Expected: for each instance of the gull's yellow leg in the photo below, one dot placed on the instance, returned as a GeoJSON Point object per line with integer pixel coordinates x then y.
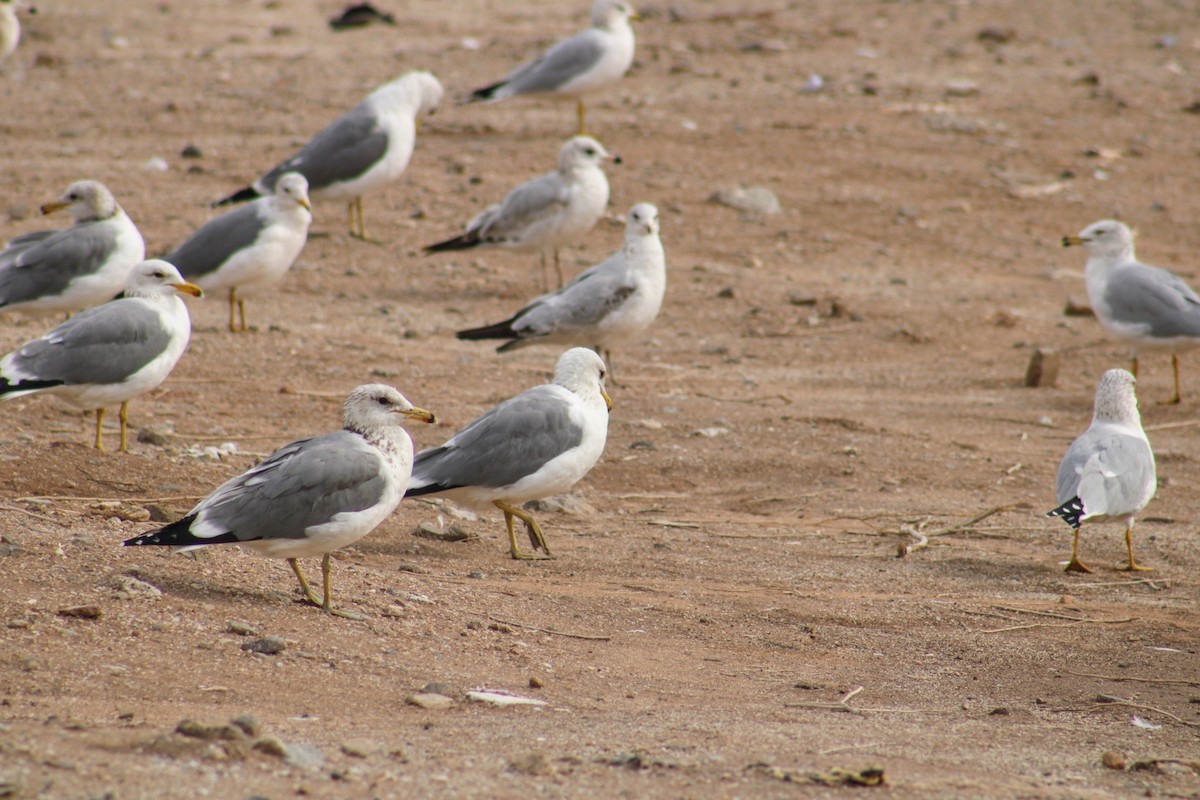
{"type": "Point", "coordinates": [558, 268]}
{"type": "Point", "coordinates": [309, 594]}
{"type": "Point", "coordinates": [1175, 398]}
{"type": "Point", "coordinates": [1133, 364]}
{"type": "Point", "coordinates": [1074, 565]}
{"type": "Point", "coordinates": [1133, 565]}
{"type": "Point", "coordinates": [124, 415]}
{"type": "Point", "coordinates": [534, 530]}
{"type": "Point", "coordinates": [326, 569]}
{"type": "Point", "coordinates": [233, 309]}
{"type": "Point", "coordinates": [358, 225]}
{"type": "Point", "coordinates": [582, 113]}
{"type": "Point", "coordinates": [242, 314]}
{"type": "Point", "coordinates": [99, 426]}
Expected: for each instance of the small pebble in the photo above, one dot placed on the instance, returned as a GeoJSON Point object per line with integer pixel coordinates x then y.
{"type": "Point", "coordinates": [248, 724]}
{"type": "Point", "coordinates": [268, 645]}
{"type": "Point", "coordinates": [241, 628]}
{"type": "Point", "coordinates": [430, 702]}
{"type": "Point", "coordinates": [272, 746]}
{"type": "Point", "coordinates": [1113, 760]}
{"type": "Point", "coordinates": [81, 612]}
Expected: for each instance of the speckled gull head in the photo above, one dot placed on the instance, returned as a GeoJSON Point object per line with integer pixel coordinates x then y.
{"type": "Point", "coordinates": [1107, 239]}
{"type": "Point", "coordinates": [85, 201]}
{"type": "Point", "coordinates": [418, 90]}
{"type": "Point", "coordinates": [1116, 399]}
{"type": "Point", "coordinates": [373, 407]}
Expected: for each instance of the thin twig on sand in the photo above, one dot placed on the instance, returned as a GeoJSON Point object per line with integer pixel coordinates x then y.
{"type": "Point", "coordinates": [1132, 678]}
{"type": "Point", "coordinates": [843, 705]}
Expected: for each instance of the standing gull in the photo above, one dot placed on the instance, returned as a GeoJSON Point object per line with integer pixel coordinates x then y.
{"type": "Point", "coordinates": [537, 444]}
{"type": "Point", "coordinates": [248, 249]}
{"type": "Point", "coordinates": [110, 353]}
{"type": "Point", "coordinates": [546, 213]}
{"type": "Point", "coordinates": [573, 67]}
{"type": "Point", "coordinates": [1146, 306]}
{"type": "Point", "coordinates": [363, 150]}
{"type": "Point", "coordinates": [73, 268]}
{"type": "Point", "coordinates": [1108, 472]}
{"type": "Point", "coordinates": [313, 496]}
{"type": "Point", "coordinates": [610, 304]}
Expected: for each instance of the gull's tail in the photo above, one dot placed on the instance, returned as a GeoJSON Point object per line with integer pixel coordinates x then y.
{"type": "Point", "coordinates": [179, 534]}
{"type": "Point", "coordinates": [11, 390]}
{"type": "Point", "coordinates": [240, 196]}
{"type": "Point", "coordinates": [485, 94]}
{"type": "Point", "coordinates": [501, 330]}
{"type": "Point", "coordinates": [1070, 511]}
{"type": "Point", "coordinates": [464, 241]}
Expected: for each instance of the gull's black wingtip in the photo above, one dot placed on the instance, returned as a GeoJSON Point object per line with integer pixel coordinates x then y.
{"type": "Point", "coordinates": [240, 196]}
{"type": "Point", "coordinates": [1070, 512]}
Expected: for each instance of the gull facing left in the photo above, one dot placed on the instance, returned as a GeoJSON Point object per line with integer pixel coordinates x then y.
{"type": "Point", "coordinates": [110, 353]}
{"type": "Point", "coordinates": [312, 496]}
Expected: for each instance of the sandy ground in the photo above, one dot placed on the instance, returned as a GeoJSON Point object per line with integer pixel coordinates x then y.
{"type": "Point", "coordinates": [727, 615]}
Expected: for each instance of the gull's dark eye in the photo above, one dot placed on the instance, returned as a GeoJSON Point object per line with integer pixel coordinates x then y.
{"type": "Point", "coordinates": [383, 401]}
{"type": "Point", "coordinates": [591, 151]}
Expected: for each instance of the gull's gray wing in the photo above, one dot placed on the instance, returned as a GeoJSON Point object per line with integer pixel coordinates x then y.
{"type": "Point", "coordinates": [301, 485]}
{"type": "Point", "coordinates": [1110, 472]}
{"type": "Point", "coordinates": [45, 263]}
{"type": "Point", "coordinates": [345, 149]}
{"type": "Point", "coordinates": [559, 65]}
{"type": "Point", "coordinates": [523, 207]}
{"type": "Point", "coordinates": [582, 303]}
{"type": "Point", "coordinates": [1156, 298]}
{"type": "Point", "coordinates": [105, 344]}
{"type": "Point", "coordinates": [216, 241]}
{"type": "Point", "coordinates": [512, 440]}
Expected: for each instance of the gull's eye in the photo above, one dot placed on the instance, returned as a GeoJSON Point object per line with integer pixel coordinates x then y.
{"type": "Point", "coordinates": [383, 401]}
{"type": "Point", "coordinates": [591, 151]}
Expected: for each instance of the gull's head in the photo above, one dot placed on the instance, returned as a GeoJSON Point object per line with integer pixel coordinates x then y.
{"type": "Point", "coordinates": [583, 372]}
{"type": "Point", "coordinates": [377, 405]}
{"type": "Point", "coordinates": [642, 221]}
{"type": "Point", "coordinates": [607, 12]}
{"type": "Point", "coordinates": [1107, 239]}
{"type": "Point", "coordinates": [1116, 400]}
{"type": "Point", "coordinates": [85, 201]}
{"type": "Point", "coordinates": [581, 151]}
{"type": "Point", "coordinates": [418, 90]}
{"type": "Point", "coordinates": [158, 278]}
{"type": "Point", "coordinates": [292, 187]}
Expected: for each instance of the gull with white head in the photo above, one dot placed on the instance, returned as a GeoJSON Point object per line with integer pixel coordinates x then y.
{"type": "Point", "coordinates": [1146, 306]}
{"type": "Point", "coordinates": [110, 353]}
{"type": "Point", "coordinates": [537, 444]}
{"type": "Point", "coordinates": [1108, 471]}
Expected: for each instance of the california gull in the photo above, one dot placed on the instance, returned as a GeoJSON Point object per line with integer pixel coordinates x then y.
{"type": "Point", "coordinates": [110, 353]}
{"type": "Point", "coordinates": [546, 213]}
{"type": "Point", "coordinates": [363, 150]}
{"type": "Point", "coordinates": [73, 268]}
{"type": "Point", "coordinates": [537, 444]}
{"type": "Point", "coordinates": [312, 496]}
{"type": "Point", "coordinates": [1108, 472]}
{"type": "Point", "coordinates": [250, 248]}
{"type": "Point", "coordinates": [590, 60]}
{"type": "Point", "coordinates": [1146, 306]}
{"type": "Point", "coordinates": [606, 306]}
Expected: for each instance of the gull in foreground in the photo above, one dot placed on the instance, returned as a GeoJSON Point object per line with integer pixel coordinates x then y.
{"type": "Point", "coordinates": [110, 353]}
{"type": "Point", "coordinates": [608, 305]}
{"type": "Point", "coordinates": [1108, 472]}
{"type": "Point", "coordinates": [537, 444]}
{"type": "Point", "coordinates": [1146, 306]}
{"type": "Point", "coordinates": [546, 213]}
{"type": "Point", "coordinates": [10, 29]}
{"type": "Point", "coordinates": [313, 496]}
{"type": "Point", "coordinates": [250, 248]}
{"type": "Point", "coordinates": [363, 150]}
{"type": "Point", "coordinates": [593, 59]}
{"type": "Point", "coordinates": [73, 268]}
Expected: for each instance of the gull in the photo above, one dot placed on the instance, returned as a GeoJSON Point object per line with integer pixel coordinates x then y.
{"type": "Point", "coordinates": [1146, 306]}
{"type": "Point", "coordinates": [110, 353]}
{"type": "Point", "coordinates": [312, 496]}
{"type": "Point", "coordinates": [250, 248]}
{"type": "Point", "coordinates": [608, 305]}
{"type": "Point", "coordinates": [546, 213]}
{"type": "Point", "coordinates": [1108, 472]}
{"type": "Point", "coordinates": [73, 268]}
{"type": "Point", "coordinates": [537, 444]}
{"type": "Point", "coordinates": [363, 150]}
{"type": "Point", "coordinates": [573, 67]}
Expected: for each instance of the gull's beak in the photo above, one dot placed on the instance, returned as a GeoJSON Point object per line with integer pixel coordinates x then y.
{"type": "Point", "coordinates": [57, 205]}
{"type": "Point", "coordinates": [417, 414]}
{"type": "Point", "coordinates": [187, 288]}
{"type": "Point", "coordinates": [607, 399]}
{"type": "Point", "coordinates": [1070, 240]}
{"type": "Point", "coordinates": [304, 201]}
{"type": "Point", "coordinates": [635, 17]}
